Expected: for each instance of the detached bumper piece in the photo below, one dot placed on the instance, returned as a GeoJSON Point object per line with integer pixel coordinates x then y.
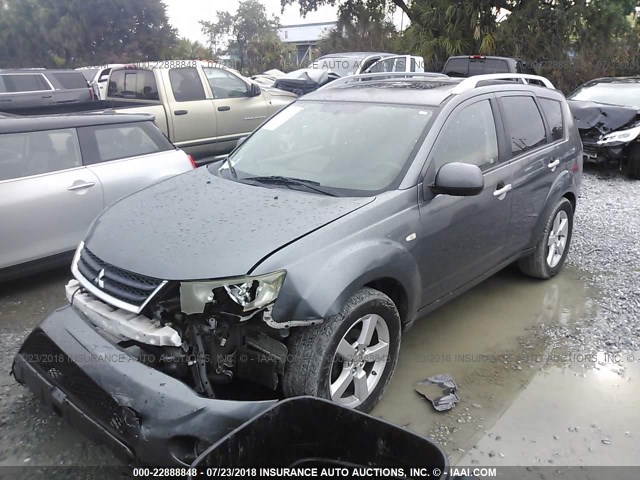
{"type": "Point", "coordinates": [64, 387]}
{"type": "Point", "coordinates": [145, 416]}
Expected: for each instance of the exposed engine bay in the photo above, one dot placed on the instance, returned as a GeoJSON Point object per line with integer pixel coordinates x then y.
{"type": "Point", "coordinates": [607, 131]}
{"type": "Point", "coordinates": [206, 334]}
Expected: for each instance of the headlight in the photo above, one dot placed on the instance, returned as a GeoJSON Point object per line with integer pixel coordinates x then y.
{"type": "Point", "coordinates": [250, 293]}
{"type": "Point", "coordinates": [624, 136]}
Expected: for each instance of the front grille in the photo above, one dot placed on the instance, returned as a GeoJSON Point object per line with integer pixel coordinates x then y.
{"type": "Point", "coordinates": [122, 284]}
{"type": "Point", "coordinates": [39, 350]}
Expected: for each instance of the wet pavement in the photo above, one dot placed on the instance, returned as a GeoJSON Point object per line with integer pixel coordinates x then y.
{"type": "Point", "coordinates": [547, 375]}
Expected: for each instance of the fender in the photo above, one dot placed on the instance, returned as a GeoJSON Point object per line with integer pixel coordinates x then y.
{"type": "Point", "coordinates": [337, 278]}
{"type": "Point", "coordinates": [563, 184]}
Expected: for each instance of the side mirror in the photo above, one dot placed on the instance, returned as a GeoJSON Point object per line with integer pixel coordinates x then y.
{"type": "Point", "coordinates": [459, 180]}
{"type": "Point", "coordinates": [254, 90]}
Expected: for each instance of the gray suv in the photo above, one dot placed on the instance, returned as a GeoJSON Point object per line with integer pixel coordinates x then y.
{"type": "Point", "coordinates": [295, 266]}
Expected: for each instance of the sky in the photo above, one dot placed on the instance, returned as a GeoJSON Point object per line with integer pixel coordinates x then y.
{"type": "Point", "coordinates": [185, 14]}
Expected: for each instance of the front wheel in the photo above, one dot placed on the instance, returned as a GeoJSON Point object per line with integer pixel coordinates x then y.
{"type": "Point", "coordinates": [349, 358]}
{"type": "Point", "coordinates": [550, 253]}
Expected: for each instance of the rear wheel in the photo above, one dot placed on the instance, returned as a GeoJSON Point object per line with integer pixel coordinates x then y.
{"type": "Point", "coordinates": [550, 253]}
{"type": "Point", "coordinates": [350, 357]}
{"type": "Point", "coordinates": [633, 162]}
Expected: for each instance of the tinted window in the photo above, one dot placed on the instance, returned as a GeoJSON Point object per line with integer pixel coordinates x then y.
{"type": "Point", "coordinates": [140, 84]}
{"type": "Point", "coordinates": [114, 142]}
{"type": "Point", "coordinates": [71, 80]}
{"type": "Point", "coordinates": [469, 136]}
{"type": "Point", "coordinates": [34, 153]}
{"type": "Point", "coordinates": [225, 84]}
{"type": "Point", "coordinates": [553, 112]}
{"type": "Point", "coordinates": [24, 83]}
{"type": "Point", "coordinates": [457, 67]}
{"type": "Point", "coordinates": [524, 122]}
{"type": "Point", "coordinates": [487, 65]}
{"type": "Point", "coordinates": [186, 84]}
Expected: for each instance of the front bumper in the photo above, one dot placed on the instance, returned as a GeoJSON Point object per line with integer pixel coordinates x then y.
{"type": "Point", "coordinates": [145, 416]}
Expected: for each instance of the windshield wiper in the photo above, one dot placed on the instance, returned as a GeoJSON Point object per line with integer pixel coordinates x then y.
{"type": "Point", "coordinates": [230, 167]}
{"type": "Point", "coordinates": [289, 181]}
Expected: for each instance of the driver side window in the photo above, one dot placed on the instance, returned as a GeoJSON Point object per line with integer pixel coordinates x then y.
{"type": "Point", "coordinates": [469, 136]}
{"type": "Point", "coordinates": [225, 84]}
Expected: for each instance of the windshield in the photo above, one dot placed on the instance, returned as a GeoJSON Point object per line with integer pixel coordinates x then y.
{"type": "Point", "coordinates": [618, 93]}
{"type": "Point", "coordinates": [346, 148]}
{"type": "Point", "coordinates": [89, 73]}
{"type": "Point", "coordinates": [343, 66]}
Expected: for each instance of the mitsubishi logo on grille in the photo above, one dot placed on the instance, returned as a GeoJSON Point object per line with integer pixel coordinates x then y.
{"type": "Point", "coordinates": [99, 280]}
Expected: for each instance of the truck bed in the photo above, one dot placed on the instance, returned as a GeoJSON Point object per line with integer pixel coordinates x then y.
{"type": "Point", "coordinates": [96, 105]}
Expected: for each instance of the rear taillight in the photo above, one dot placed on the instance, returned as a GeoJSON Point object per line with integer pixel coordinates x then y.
{"type": "Point", "coordinates": [193, 162]}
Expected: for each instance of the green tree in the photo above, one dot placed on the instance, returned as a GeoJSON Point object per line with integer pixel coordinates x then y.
{"type": "Point", "coordinates": [186, 49]}
{"type": "Point", "coordinates": [249, 35]}
{"type": "Point", "coordinates": [361, 29]}
{"type": "Point", "coordinates": [352, 7]}
{"type": "Point", "coordinates": [68, 33]}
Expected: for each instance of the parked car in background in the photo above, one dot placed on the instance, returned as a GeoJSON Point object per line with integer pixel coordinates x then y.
{"type": "Point", "coordinates": [58, 173]}
{"type": "Point", "coordinates": [98, 78]}
{"type": "Point", "coordinates": [202, 107]}
{"type": "Point", "coordinates": [348, 63]}
{"type": "Point", "coordinates": [397, 63]}
{"type": "Point", "coordinates": [468, 65]}
{"type": "Point", "coordinates": [295, 265]}
{"type": "Point", "coordinates": [606, 112]}
{"type": "Point", "coordinates": [26, 90]}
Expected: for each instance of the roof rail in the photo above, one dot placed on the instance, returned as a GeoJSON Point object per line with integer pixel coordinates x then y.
{"type": "Point", "coordinates": [472, 82]}
{"type": "Point", "coordinates": [363, 77]}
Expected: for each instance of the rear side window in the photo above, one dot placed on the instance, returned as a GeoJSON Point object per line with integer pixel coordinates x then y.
{"type": "Point", "coordinates": [553, 113]}
{"type": "Point", "coordinates": [103, 143]}
{"type": "Point", "coordinates": [186, 84]}
{"type": "Point", "coordinates": [14, 83]}
{"type": "Point", "coordinates": [525, 124]}
{"type": "Point", "coordinates": [35, 153]}
{"type": "Point", "coordinates": [129, 83]}
{"type": "Point", "coordinates": [469, 136]}
{"type": "Point", "coordinates": [71, 80]}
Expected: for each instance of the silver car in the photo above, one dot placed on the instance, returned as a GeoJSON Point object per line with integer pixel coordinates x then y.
{"type": "Point", "coordinates": [57, 173]}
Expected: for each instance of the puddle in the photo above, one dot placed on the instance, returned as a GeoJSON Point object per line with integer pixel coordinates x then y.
{"type": "Point", "coordinates": [568, 418]}
{"type": "Point", "coordinates": [491, 341]}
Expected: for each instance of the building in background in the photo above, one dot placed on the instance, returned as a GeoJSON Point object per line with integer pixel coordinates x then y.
{"type": "Point", "coordinates": [304, 37]}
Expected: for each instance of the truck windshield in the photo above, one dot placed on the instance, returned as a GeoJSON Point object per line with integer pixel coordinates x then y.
{"type": "Point", "coordinates": [346, 148]}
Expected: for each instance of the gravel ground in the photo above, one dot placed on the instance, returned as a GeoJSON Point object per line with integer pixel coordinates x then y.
{"type": "Point", "coordinates": [606, 246]}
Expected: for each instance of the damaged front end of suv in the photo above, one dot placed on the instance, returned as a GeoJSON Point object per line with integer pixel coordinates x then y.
{"type": "Point", "coordinates": [204, 333]}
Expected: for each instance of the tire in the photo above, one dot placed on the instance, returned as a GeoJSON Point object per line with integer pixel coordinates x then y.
{"type": "Point", "coordinates": [541, 264]}
{"type": "Point", "coordinates": [314, 363]}
{"type": "Point", "coordinates": [633, 162]}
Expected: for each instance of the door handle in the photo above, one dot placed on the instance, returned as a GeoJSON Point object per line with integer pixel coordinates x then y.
{"type": "Point", "coordinates": [554, 164]}
{"type": "Point", "coordinates": [224, 108]}
{"type": "Point", "coordinates": [503, 191]}
{"type": "Point", "coordinates": [47, 96]}
{"type": "Point", "coordinates": [181, 112]}
{"type": "Point", "coordinates": [80, 186]}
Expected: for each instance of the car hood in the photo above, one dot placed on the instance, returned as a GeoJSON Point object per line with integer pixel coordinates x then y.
{"type": "Point", "coordinates": [200, 226]}
{"type": "Point", "coordinates": [606, 118]}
